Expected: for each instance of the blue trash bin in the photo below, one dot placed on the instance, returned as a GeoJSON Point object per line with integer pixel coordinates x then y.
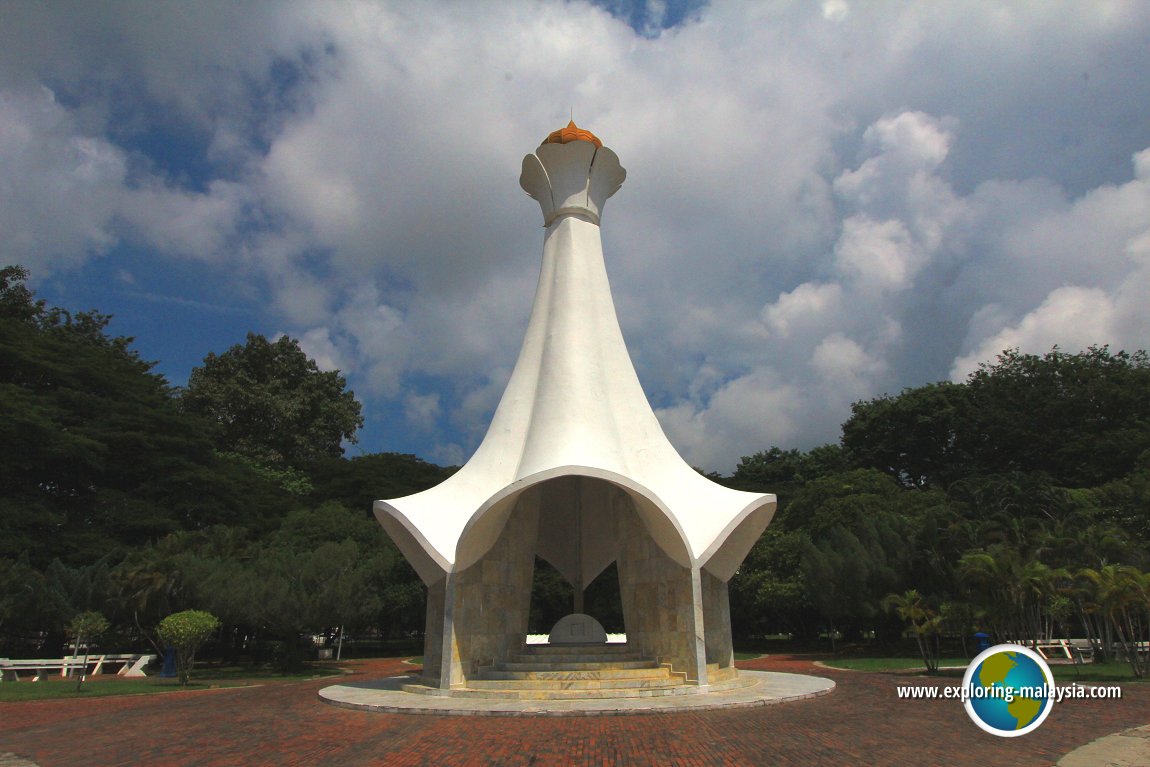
{"type": "Point", "coordinates": [982, 641]}
{"type": "Point", "coordinates": [169, 669]}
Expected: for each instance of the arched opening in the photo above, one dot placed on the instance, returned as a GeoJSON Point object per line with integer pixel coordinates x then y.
{"type": "Point", "coordinates": [603, 602]}
{"type": "Point", "coordinates": [575, 543]}
{"type": "Point", "coordinates": [551, 598]}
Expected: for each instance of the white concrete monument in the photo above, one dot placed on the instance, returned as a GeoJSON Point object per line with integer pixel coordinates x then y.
{"type": "Point", "coordinates": [575, 469]}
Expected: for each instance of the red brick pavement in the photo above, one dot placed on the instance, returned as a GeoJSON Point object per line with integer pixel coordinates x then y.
{"type": "Point", "coordinates": [860, 723]}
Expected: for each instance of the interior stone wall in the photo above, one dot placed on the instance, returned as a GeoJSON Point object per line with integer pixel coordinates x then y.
{"type": "Point", "coordinates": [717, 621]}
{"type": "Point", "coordinates": [492, 598]}
{"type": "Point", "coordinates": [659, 601]}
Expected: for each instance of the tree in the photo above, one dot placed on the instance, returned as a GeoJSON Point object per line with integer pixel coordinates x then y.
{"type": "Point", "coordinates": [185, 632]}
{"type": "Point", "coordinates": [359, 481]}
{"type": "Point", "coordinates": [925, 623]}
{"type": "Point", "coordinates": [1082, 418]}
{"type": "Point", "coordinates": [768, 593]}
{"type": "Point", "coordinates": [1122, 595]}
{"type": "Point", "coordinates": [849, 567]}
{"type": "Point", "coordinates": [1022, 596]}
{"type": "Point", "coordinates": [845, 498]}
{"type": "Point", "coordinates": [21, 594]}
{"type": "Point", "coordinates": [916, 437]}
{"type": "Point", "coordinates": [775, 469]}
{"type": "Point", "coordinates": [97, 455]}
{"type": "Point", "coordinates": [272, 404]}
{"type": "Point", "coordinates": [84, 628]}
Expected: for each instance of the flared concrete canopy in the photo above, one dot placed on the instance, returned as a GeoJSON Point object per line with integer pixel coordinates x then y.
{"type": "Point", "coordinates": [574, 407]}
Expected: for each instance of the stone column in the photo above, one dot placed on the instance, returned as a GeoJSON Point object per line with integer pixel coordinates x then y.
{"type": "Point", "coordinates": [717, 617]}
{"type": "Point", "coordinates": [492, 597]}
{"type": "Point", "coordinates": [450, 673]}
{"type": "Point", "coordinates": [662, 600]}
{"type": "Point", "coordinates": [433, 633]}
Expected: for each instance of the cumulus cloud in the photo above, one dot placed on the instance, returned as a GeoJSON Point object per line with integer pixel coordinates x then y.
{"type": "Point", "coordinates": [61, 186]}
{"type": "Point", "coordinates": [835, 10]}
{"type": "Point", "coordinates": [760, 407]}
{"type": "Point", "coordinates": [808, 304]}
{"type": "Point", "coordinates": [824, 201]}
{"type": "Point", "coordinates": [318, 345]}
{"type": "Point", "coordinates": [1092, 255]}
{"type": "Point", "coordinates": [422, 410]}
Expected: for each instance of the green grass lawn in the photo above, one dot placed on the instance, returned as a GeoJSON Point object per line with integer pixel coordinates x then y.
{"type": "Point", "coordinates": [888, 664]}
{"type": "Point", "coordinates": [11, 692]}
{"type": "Point", "coordinates": [1089, 672]}
{"type": "Point", "coordinates": [205, 678]}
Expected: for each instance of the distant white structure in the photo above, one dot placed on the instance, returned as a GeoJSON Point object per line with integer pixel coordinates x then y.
{"type": "Point", "coordinates": [575, 469]}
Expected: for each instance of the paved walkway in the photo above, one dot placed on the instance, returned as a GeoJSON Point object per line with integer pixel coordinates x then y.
{"type": "Point", "coordinates": [861, 722]}
{"type": "Point", "coordinates": [1124, 749]}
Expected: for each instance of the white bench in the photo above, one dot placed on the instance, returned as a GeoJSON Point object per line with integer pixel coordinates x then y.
{"type": "Point", "coordinates": [1062, 651]}
{"type": "Point", "coordinates": [131, 664]}
{"type": "Point", "coordinates": [1118, 650]}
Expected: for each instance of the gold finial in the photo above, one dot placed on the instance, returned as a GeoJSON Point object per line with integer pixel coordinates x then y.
{"type": "Point", "coordinates": [572, 133]}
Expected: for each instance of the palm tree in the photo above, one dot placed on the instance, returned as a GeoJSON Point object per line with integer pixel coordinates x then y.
{"type": "Point", "coordinates": [993, 583]}
{"type": "Point", "coordinates": [1121, 594]}
{"type": "Point", "coordinates": [924, 622]}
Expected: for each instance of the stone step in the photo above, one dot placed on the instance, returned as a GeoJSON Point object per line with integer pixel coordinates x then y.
{"type": "Point", "coordinates": [598, 648]}
{"type": "Point", "coordinates": [715, 675]}
{"type": "Point", "coordinates": [641, 683]}
{"type": "Point", "coordinates": [552, 684]}
{"type": "Point", "coordinates": [572, 665]}
{"type": "Point", "coordinates": [630, 657]}
{"type": "Point", "coordinates": [648, 671]}
{"type": "Point", "coordinates": [517, 694]}
{"type": "Point", "coordinates": [581, 672]}
{"type": "Point", "coordinates": [588, 653]}
{"type": "Point", "coordinates": [507, 693]}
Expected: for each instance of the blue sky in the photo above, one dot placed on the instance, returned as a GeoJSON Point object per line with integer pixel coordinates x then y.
{"type": "Point", "coordinates": [825, 201]}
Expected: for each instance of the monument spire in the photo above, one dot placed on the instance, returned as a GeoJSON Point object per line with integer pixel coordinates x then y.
{"type": "Point", "coordinates": [574, 451]}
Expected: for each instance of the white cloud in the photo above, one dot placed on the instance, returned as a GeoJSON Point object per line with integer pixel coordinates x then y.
{"type": "Point", "coordinates": [1091, 256]}
{"type": "Point", "coordinates": [824, 201]}
{"type": "Point", "coordinates": [757, 408]}
{"type": "Point", "coordinates": [60, 186]}
{"type": "Point", "coordinates": [1072, 317]}
{"type": "Point", "coordinates": [878, 255]}
{"type": "Point", "coordinates": [835, 10]}
{"type": "Point", "coordinates": [319, 346]}
{"type": "Point", "coordinates": [809, 303]}
{"type": "Point", "coordinates": [200, 225]}
{"type": "Point", "coordinates": [846, 368]}
{"type": "Point", "coordinates": [421, 410]}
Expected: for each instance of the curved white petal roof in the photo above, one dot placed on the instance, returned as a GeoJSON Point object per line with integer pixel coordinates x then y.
{"type": "Point", "coordinates": [574, 407]}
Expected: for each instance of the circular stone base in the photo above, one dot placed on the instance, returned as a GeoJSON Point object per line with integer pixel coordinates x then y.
{"type": "Point", "coordinates": [387, 696]}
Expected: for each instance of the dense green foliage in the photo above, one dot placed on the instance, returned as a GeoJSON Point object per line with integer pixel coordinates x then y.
{"type": "Point", "coordinates": [185, 632]}
{"type": "Point", "coordinates": [1081, 418]}
{"type": "Point", "coordinates": [95, 452]}
{"type": "Point", "coordinates": [270, 403]}
{"type": "Point", "coordinates": [1016, 502]}
{"type": "Point", "coordinates": [118, 495]}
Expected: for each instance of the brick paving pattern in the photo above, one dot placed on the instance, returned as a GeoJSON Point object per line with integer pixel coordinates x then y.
{"type": "Point", "coordinates": [860, 723]}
